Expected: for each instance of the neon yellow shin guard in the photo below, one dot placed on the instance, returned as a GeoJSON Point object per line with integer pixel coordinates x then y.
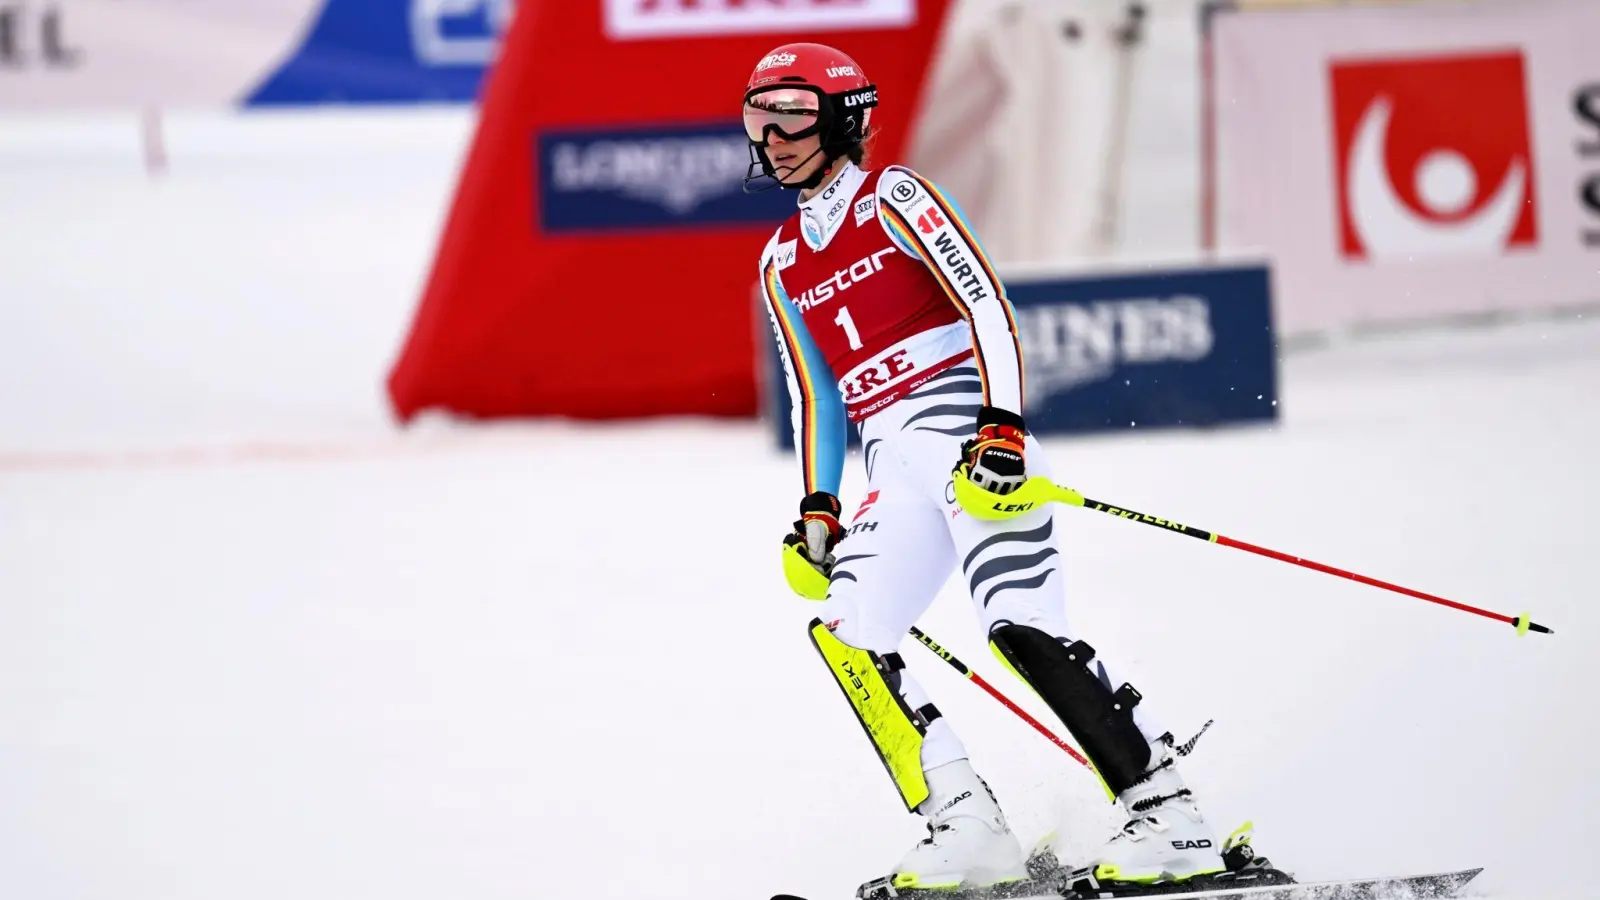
{"type": "Point", "coordinates": [895, 731]}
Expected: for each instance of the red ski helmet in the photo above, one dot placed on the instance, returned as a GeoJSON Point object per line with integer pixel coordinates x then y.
{"type": "Point", "coordinates": [799, 90]}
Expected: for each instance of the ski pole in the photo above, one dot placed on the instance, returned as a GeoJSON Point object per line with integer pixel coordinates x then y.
{"type": "Point", "coordinates": [994, 692]}
{"type": "Point", "coordinates": [986, 505]}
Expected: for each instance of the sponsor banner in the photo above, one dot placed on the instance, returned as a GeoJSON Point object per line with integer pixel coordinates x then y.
{"type": "Point", "coordinates": [391, 51]}
{"type": "Point", "coordinates": [627, 179]}
{"type": "Point", "coordinates": [634, 19]}
{"type": "Point", "coordinates": [113, 54]}
{"type": "Point", "coordinates": [1412, 162]}
{"type": "Point", "coordinates": [594, 267]}
{"type": "Point", "coordinates": [1184, 347]}
{"type": "Point", "coordinates": [1152, 349]}
{"type": "Point", "coordinates": [118, 55]}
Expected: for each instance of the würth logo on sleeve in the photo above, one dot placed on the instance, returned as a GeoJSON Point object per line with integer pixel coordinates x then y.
{"type": "Point", "coordinates": [866, 506]}
{"type": "Point", "coordinates": [856, 525]}
{"type": "Point", "coordinates": [1433, 155]}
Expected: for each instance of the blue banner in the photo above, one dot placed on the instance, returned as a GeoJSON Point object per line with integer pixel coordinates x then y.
{"type": "Point", "coordinates": [387, 51]}
{"type": "Point", "coordinates": [651, 178]}
{"type": "Point", "coordinates": [1159, 349]}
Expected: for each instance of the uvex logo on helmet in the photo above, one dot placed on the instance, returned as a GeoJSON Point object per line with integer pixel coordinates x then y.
{"type": "Point", "coordinates": [818, 65]}
{"type": "Point", "coordinates": [1433, 155]}
{"type": "Point", "coordinates": [861, 98]}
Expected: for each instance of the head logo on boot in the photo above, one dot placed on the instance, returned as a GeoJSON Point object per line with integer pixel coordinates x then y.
{"type": "Point", "coordinates": [964, 795]}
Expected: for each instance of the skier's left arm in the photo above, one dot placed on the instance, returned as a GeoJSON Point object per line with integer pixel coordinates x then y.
{"type": "Point", "coordinates": [923, 221]}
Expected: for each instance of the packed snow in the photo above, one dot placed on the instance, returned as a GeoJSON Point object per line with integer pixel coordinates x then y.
{"type": "Point", "coordinates": [257, 644]}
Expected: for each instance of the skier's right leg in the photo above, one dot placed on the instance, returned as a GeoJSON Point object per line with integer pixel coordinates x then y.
{"type": "Point", "coordinates": [1016, 578]}
{"type": "Point", "coordinates": [1014, 572]}
{"type": "Point", "coordinates": [894, 558]}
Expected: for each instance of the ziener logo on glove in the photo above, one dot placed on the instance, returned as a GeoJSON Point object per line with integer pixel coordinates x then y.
{"type": "Point", "coordinates": [1433, 155]}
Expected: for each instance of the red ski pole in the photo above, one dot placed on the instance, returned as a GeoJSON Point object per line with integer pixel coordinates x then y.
{"type": "Point", "coordinates": [1037, 490]}
{"type": "Point", "coordinates": [1522, 622]}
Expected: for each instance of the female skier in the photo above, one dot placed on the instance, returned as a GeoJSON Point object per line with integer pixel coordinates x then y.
{"type": "Point", "coordinates": [888, 313]}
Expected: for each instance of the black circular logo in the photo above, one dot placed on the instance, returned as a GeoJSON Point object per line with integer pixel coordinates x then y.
{"type": "Point", "coordinates": [904, 191]}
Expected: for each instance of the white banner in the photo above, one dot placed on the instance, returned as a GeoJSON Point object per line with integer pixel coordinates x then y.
{"type": "Point", "coordinates": [1409, 162]}
{"type": "Point", "coordinates": [119, 54]}
{"type": "Point", "coordinates": [112, 53]}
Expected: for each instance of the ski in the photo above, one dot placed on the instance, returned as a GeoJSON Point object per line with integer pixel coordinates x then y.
{"type": "Point", "coordinates": [1027, 889]}
{"type": "Point", "coordinates": [1244, 887]}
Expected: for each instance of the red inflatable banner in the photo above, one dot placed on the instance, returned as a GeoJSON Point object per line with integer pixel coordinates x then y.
{"type": "Point", "coordinates": [599, 258]}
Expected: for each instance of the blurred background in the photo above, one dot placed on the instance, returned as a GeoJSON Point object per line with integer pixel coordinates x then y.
{"type": "Point", "coordinates": [389, 448]}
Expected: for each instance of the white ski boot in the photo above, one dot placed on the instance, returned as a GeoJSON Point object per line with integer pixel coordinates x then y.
{"type": "Point", "coordinates": [1166, 838]}
{"type": "Point", "coordinates": [968, 843]}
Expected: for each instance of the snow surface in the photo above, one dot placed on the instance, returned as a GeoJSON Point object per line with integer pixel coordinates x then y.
{"type": "Point", "coordinates": [256, 645]}
{"type": "Point", "coordinates": [453, 664]}
{"type": "Point", "coordinates": [258, 289]}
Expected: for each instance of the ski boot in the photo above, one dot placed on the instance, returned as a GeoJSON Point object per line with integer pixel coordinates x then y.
{"type": "Point", "coordinates": [968, 847]}
{"type": "Point", "coordinates": [1242, 869]}
{"type": "Point", "coordinates": [1165, 843]}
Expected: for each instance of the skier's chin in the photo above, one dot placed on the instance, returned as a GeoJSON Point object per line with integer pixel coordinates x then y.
{"type": "Point", "coordinates": [789, 175]}
{"type": "Point", "coordinates": [792, 169]}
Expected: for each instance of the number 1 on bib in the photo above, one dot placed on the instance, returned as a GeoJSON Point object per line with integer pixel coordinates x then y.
{"type": "Point", "coordinates": [844, 321]}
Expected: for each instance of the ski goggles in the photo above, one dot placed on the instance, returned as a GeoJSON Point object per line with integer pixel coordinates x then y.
{"type": "Point", "coordinates": [794, 113]}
